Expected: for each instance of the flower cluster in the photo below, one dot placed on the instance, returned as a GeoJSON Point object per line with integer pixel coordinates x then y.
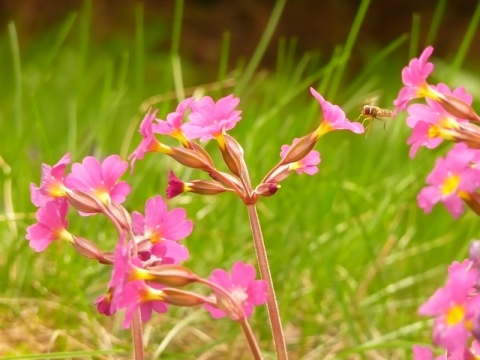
{"type": "Point", "coordinates": [446, 115]}
{"type": "Point", "coordinates": [205, 119]}
{"type": "Point", "coordinates": [455, 180]}
{"type": "Point", "coordinates": [147, 270]}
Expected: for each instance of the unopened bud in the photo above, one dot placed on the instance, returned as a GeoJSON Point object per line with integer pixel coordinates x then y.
{"type": "Point", "coordinates": [89, 250]}
{"type": "Point", "coordinates": [267, 189]}
{"type": "Point", "coordinates": [472, 200]}
{"type": "Point", "coordinates": [171, 275]}
{"type": "Point", "coordinates": [457, 107]}
{"type": "Point", "coordinates": [84, 202]}
{"type": "Point", "coordinates": [182, 298]}
{"type": "Point", "coordinates": [232, 154]}
{"type": "Point", "coordinates": [120, 215]}
{"type": "Point", "coordinates": [300, 149]}
{"type": "Point", "coordinates": [190, 158]}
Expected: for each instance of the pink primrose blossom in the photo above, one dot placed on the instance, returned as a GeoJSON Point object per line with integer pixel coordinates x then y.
{"type": "Point", "coordinates": [100, 180]}
{"type": "Point", "coordinates": [210, 119]}
{"type": "Point", "coordinates": [51, 184]}
{"type": "Point", "coordinates": [242, 286]}
{"type": "Point", "coordinates": [453, 306]}
{"type": "Point", "coordinates": [333, 118]}
{"type": "Point", "coordinates": [172, 126]}
{"type": "Point", "coordinates": [414, 77]}
{"type": "Point", "coordinates": [149, 143]}
{"type": "Point", "coordinates": [159, 224]}
{"type": "Point", "coordinates": [452, 178]}
{"type": "Point", "coordinates": [307, 165]}
{"type": "Point", "coordinates": [422, 353]}
{"type": "Point", "coordinates": [421, 136]}
{"type": "Point", "coordinates": [104, 304]}
{"type": "Point", "coordinates": [51, 225]}
{"type": "Point", "coordinates": [175, 186]}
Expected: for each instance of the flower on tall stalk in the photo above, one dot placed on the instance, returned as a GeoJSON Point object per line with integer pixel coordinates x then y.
{"type": "Point", "coordinates": [51, 225]}
{"type": "Point", "coordinates": [242, 286]}
{"type": "Point", "coordinates": [210, 119]}
{"type": "Point", "coordinates": [51, 184]}
{"type": "Point", "coordinates": [452, 180]}
{"type": "Point", "coordinates": [100, 179]}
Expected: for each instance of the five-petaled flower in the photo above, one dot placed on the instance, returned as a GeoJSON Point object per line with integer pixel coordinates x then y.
{"type": "Point", "coordinates": [209, 119]}
{"type": "Point", "coordinates": [172, 126]}
{"type": "Point", "coordinates": [100, 180]}
{"type": "Point", "coordinates": [242, 287]}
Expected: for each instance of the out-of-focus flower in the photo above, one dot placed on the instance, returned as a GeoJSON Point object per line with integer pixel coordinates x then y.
{"type": "Point", "coordinates": [51, 225]}
{"type": "Point", "coordinates": [242, 287]}
{"type": "Point", "coordinates": [451, 180]}
{"type": "Point", "coordinates": [453, 306]}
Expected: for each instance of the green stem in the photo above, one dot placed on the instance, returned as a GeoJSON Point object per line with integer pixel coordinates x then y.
{"type": "Point", "coordinates": [272, 306]}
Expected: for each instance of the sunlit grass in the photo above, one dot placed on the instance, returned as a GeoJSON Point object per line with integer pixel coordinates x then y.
{"type": "Point", "coordinates": [351, 254]}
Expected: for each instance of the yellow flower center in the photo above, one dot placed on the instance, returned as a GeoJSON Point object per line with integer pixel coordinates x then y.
{"type": "Point", "coordinates": [451, 184]}
{"type": "Point", "coordinates": [455, 314]}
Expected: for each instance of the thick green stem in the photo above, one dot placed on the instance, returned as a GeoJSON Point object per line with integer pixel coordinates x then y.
{"type": "Point", "coordinates": [272, 306]}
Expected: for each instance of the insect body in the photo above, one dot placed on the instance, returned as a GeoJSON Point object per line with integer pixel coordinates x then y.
{"type": "Point", "coordinates": [371, 112]}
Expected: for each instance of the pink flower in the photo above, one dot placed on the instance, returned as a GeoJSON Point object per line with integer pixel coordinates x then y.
{"type": "Point", "coordinates": [242, 286]}
{"type": "Point", "coordinates": [161, 224]}
{"type": "Point", "coordinates": [149, 143]}
{"type": "Point", "coordinates": [52, 225]}
{"type": "Point", "coordinates": [100, 180]}
{"type": "Point", "coordinates": [452, 178]}
{"type": "Point", "coordinates": [414, 78]}
{"type": "Point", "coordinates": [422, 353]}
{"type": "Point", "coordinates": [307, 165]}
{"type": "Point", "coordinates": [104, 304]}
{"type": "Point", "coordinates": [210, 119]}
{"type": "Point", "coordinates": [172, 126]}
{"type": "Point", "coordinates": [51, 185]}
{"type": "Point", "coordinates": [175, 186]}
{"type": "Point", "coordinates": [453, 306]}
{"type": "Point", "coordinates": [423, 134]}
{"type": "Point", "coordinates": [333, 118]}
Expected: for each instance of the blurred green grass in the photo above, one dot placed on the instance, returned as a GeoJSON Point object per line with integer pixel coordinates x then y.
{"type": "Point", "coordinates": [351, 254]}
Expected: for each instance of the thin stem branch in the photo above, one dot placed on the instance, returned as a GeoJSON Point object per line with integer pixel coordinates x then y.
{"type": "Point", "coordinates": [272, 306]}
{"type": "Point", "coordinates": [137, 336]}
{"type": "Point", "coordinates": [254, 348]}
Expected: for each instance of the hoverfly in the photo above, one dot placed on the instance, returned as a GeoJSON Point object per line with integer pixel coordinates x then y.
{"type": "Point", "coordinates": [372, 112]}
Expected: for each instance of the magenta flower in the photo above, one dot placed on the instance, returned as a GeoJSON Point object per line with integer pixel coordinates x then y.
{"type": "Point", "coordinates": [422, 353]}
{"type": "Point", "coordinates": [453, 306]}
{"type": "Point", "coordinates": [161, 224]}
{"type": "Point", "coordinates": [307, 165]}
{"type": "Point", "coordinates": [172, 126]}
{"type": "Point", "coordinates": [52, 225]}
{"type": "Point", "coordinates": [210, 119]}
{"type": "Point", "coordinates": [104, 304]}
{"type": "Point", "coordinates": [51, 184]}
{"type": "Point", "coordinates": [100, 180]}
{"type": "Point", "coordinates": [149, 143]}
{"type": "Point", "coordinates": [452, 179]}
{"type": "Point", "coordinates": [414, 77]}
{"type": "Point", "coordinates": [242, 286]}
{"type": "Point", "coordinates": [333, 118]}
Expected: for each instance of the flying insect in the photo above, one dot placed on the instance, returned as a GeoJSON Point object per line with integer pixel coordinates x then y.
{"type": "Point", "coordinates": [372, 112]}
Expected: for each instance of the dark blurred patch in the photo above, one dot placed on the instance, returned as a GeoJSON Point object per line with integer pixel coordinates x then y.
{"type": "Point", "coordinates": [315, 24]}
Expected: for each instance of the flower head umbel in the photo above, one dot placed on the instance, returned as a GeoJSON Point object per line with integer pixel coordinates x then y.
{"type": "Point", "coordinates": [414, 77]}
{"type": "Point", "coordinates": [159, 224]}
{"type": "Point", "coordinates": [242, 287]}
{"type": "Point", "coordinates": [454, 306]}
{"type": "Point", "coordinates": [52, 225]}
{"type": "Point", "coordinates": [307, 165]}
{"type": "Point", "coordinates": [333, 118]}
{"type": "Point", "coordinates": [209, 119]}
{"type": "Point", "coordinates": [452, 179]}
{"type": "Point", "coordinates": [100, 179]}
{"type": "Point", "coordinates": [51, 184]}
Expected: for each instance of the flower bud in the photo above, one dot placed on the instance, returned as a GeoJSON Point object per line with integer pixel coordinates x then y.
{"type": "Point", "coordinates": [181, 298]}
{"type": "Point", "coordinates": [84, 202]}
{"type": "Point", "coordinates": [171, 275]}
{"type": "Point", "coordinates": [232, 154]}
{"type": "Point", "coordinates": [457, 107]}
{"type": "Point", "coordinates": [121, 216]}
{"type": "Point", "coordinates": [300, 149]}
{"type": "Point", "coordinates": [190, 158]}
{"type": "Point", "coordinates": [267, 189]}
{"type": "Point", "coordinates": [472, 200]}
{"type": "Point", "coordinates": [89, 250]}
